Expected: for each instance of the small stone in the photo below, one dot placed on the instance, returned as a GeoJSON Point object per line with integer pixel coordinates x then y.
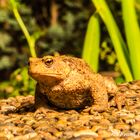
{"type": "Point", "coordinates": [3, 138]}
{"type": "Point", "coordinates": [58, 134]}
{"type": "Point", "coordinates": [7, 109]}
{"type": "Point", "coordinates": [95, 128]}
{"type": "Point", "coordinates": [104, 133]}
{"type": "Point", "coordinates": [25, 137]}
{"type": "Point", "coordinates": [136, 126]}
{"type": "Point", "coordinates": [137, 118]}
{"type": "Point", "coordinates": [122, 126]}
{"type": "Point", "coordinates": [85, 132]}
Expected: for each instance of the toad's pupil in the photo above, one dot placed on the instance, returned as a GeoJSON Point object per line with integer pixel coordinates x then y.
{"type": "Point", "coordinates": [49, 61]}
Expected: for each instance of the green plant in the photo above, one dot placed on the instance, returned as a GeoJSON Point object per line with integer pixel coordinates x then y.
{"type": "Point", "coordinates": [91, 44]}
{"type": "Point", "coordinates": [30, 39]}
{"type": "Point", "coordinates": [132, 32]}
{"type": "Point", "coordinates": [128, 57]}
{"type": "Point", "coordinates": [19, 84]}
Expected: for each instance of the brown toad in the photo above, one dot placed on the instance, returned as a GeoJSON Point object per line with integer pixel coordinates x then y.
{"type": "Point", "coordinates": [69, 83]}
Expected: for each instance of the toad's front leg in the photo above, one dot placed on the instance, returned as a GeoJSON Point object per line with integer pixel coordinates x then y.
{"type": "Point", "coordinates": [100, 97]}
{"type": "Point", "coordinates": [42, 104]}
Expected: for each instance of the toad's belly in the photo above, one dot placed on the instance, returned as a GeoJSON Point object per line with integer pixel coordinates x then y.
{"type": "Point", "coordinates": [70, 100]}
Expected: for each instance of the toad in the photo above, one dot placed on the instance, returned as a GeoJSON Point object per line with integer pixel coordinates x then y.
{"type": "Point", "coordinates": [69, 83]}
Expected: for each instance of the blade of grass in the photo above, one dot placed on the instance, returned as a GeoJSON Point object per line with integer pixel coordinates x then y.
{"type": "Point", "coordinates": [117, 40]}
{"type": "Point", "coordinates": [30, 40]}
{"type": "Point", "coordinates": [132, 35]}
{"type": "Point", "coordinates": [91, 43]}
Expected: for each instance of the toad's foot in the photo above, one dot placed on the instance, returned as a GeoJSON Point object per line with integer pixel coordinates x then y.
{"type": "Point", "coordinates": [95, 108]}
{"type": "Point", "coordinates": [120, 100]}
{"type": "Point", "coordinates": [44, 111]}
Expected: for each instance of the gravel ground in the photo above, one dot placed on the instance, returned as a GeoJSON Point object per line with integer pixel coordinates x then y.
{"type": "Point", "coordinates": [20, 121]}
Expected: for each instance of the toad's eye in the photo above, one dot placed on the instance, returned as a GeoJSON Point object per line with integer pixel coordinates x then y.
{"type": "Point", "coordinates": [48, 61]}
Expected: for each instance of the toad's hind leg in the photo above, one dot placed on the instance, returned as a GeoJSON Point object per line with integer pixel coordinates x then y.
{"type": "Point", "coordinates": [100, 97]}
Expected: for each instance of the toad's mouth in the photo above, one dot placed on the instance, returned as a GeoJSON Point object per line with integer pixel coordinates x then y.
{"type": "Point", "coordinates": [38, 76]}
{"type": "Point", "coordinates": [47, 74]}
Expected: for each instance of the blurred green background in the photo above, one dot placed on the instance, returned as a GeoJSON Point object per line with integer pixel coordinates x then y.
{"type": "Point", "coordinates": [103, 32]}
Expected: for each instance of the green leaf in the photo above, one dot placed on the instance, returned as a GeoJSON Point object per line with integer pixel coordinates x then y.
{"type": "Point", "coordinates": [25, 76]}
{"type": "Point", "coordinates": [116, 37]}
{"type": "Point", "coordinates": [132, 35]}
{"type": "Point", "coordinates": [91, 44]}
